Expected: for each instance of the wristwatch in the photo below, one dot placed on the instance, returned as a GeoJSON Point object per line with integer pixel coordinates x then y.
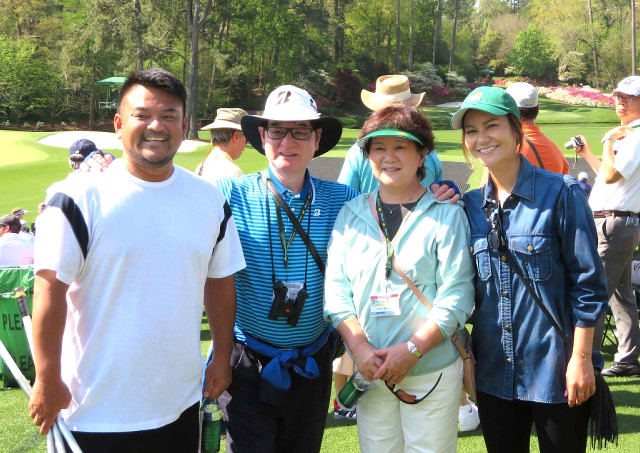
{"type": "Point", "coordinates": [607, 139]}
{"type": "Point", "coordinates": [413, 349]}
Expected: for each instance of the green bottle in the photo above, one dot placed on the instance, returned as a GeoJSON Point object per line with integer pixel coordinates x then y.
{"type": "Point", "coordinates": [352, 391]}
{"type": "Point", "coordinates": [210, 416]}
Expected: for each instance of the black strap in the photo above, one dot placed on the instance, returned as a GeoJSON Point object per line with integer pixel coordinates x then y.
{"type": "Point", "coordinates": [294, 221]}
{"type": "Point", "coordinates": [535, 151]}
{"type": "Point", "coordinates": [504, 248]}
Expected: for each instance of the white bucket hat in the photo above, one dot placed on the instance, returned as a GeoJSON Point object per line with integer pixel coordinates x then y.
{"type": "Point", "coordinates": [290, 103]}
{"type": "Point", "coordinates": [391, 89]}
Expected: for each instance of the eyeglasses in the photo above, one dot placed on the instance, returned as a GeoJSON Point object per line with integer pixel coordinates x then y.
{"type": "Point", "coordinates": [619, 98]}
{"type": "Point", "coordinates": [299, 133]}
{"type": "Point", "coordinates": [407, 398]}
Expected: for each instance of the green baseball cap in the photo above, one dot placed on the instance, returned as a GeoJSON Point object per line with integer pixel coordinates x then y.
{"type": "Point", "coordinates": [492, 100]}
{"type": "Point", "coordinates": [388, 132]}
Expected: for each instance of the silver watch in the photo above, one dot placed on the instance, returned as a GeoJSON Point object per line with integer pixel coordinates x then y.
{"type": "Point", "coordinates": [413, 349]}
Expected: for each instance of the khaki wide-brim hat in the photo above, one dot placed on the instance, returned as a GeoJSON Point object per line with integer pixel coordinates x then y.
{"type": "Point", "coordinates": [391, 89]}
{"type": "Point", "coordinates": [226, 118]}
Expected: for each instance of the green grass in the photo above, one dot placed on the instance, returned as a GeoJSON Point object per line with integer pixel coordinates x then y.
{"type": "Point", "coordinates": [27, 168]}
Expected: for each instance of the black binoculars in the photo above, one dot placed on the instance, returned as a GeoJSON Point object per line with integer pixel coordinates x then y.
{"type": "Point", "coordinates": [283, 306]}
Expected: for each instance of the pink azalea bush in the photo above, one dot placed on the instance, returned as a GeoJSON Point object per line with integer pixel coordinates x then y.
{"type": "Point", "coordinates": [583, 95]}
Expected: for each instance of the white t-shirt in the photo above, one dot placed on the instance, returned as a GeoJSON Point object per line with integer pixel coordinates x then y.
{"type": "Point", "coordinates": [218, 165]}
{"type": "Point", "coordinates": [15, 250]}
{"type": "Point", "coordinates": [131, 348]}
{"type": "Point", "coordinates": [623, 194]}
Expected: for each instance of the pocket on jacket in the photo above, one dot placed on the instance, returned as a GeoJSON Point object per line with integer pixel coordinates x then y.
{"type": "Point", "coordinates": [480, 250]}
{"type": "Point", "coordinates": [534, 254]}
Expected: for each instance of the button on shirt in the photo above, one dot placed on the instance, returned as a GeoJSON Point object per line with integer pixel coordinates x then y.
{"type": "Point", "coordinates": [551, 233]}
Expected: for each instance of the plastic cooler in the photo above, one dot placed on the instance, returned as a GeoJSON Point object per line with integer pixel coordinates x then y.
{"type": "Point", "coordinates": [11, 330]}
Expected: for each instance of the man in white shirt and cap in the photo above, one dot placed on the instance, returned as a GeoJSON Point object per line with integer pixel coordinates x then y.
{"type": "Point", "coordinates": [615, 204]}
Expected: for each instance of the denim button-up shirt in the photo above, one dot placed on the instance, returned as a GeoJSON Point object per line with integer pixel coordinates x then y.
{"type": "Point", "coordinates": [551, 233]}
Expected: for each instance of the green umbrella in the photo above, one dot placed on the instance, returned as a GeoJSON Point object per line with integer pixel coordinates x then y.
{"type": "Point", "coordinates": [112, 81]}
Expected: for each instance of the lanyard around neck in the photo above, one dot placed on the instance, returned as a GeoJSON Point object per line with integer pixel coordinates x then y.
{"type": "Point", "coordinates": [385, 230]}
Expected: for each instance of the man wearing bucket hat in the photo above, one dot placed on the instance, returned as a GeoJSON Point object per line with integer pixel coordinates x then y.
{"type": "Point", "coordinates": [356, 170]}
{"type": "Point", "coordinates": [615, 204]}
{"type": "Point", "coordinates": [227, 144]}
{"type": "Point", "coordinates": [283, 349]}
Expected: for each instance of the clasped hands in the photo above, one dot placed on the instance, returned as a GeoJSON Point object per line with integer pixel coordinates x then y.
{"type": "Point", "coordinates": [389, 364]}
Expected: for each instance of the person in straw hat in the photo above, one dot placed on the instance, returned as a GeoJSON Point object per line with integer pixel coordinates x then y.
{"type": "Point", "coordinates": [283, 348]}
{"type": "Point", "coordinates": [227, 144]}
{"type": "Point", "coordinates": [356, 170]}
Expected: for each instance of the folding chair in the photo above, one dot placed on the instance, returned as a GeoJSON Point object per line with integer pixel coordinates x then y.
{"type": "Point", "coordinates": [609, 329]}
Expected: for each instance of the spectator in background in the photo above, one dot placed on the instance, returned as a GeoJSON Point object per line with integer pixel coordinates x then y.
{"type": "Point", "coordinates": [227, 144]}
{"type": "Point", "coordinates": [615, 204]}
{"type": "Point", "coordinates": [18, 212]}
{"type": "Point", "coordinates": [84, 155]}
{"type": "Point", "coordinates": [583, 180]}
{"type": "Point", "coordinates": [14, 250]}
{"type": "Point", "coordinates": [41, 207]}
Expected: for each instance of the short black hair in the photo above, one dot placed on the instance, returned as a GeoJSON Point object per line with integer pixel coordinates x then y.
{"type": "Point", "coordinates": [529, 113]}
{"type": "Point", "coordinates": [156, 78]}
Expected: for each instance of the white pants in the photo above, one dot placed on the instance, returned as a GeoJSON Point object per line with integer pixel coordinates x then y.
{"type": "Point", "coordinates": [386, 424]}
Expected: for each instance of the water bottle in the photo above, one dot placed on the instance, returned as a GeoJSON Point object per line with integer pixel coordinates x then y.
{"type": "Point", "coordinates": [210, 416]}
{"type": "Point", "coordinates": [352, 391]}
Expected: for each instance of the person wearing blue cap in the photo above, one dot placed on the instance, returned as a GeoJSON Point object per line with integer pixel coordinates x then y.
{"type": "Point", "coordinates": [84, 155]}
{"type": "Point", "coordinates": [399, 343]}
{"type": "Point", "coordinates": [531, 219]}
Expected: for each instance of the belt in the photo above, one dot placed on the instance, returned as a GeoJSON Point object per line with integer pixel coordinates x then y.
{"type": "Point", "coordinates": [603, 214]}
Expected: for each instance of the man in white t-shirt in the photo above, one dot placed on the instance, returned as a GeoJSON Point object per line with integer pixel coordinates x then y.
{"type": "Point", "coordinates": [227, 144]}
{"type": "Point", "coordinates": [120, 284]}
{"type": "Point", "coordinates": [14, 250]}
{"type": "Point", "coordinates": [615, 204]}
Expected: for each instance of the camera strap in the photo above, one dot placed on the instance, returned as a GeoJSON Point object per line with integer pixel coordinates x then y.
{"type": "Point", "coordinates": [280, 202]}
{"type": "Point", "coordinates": [535, 151]}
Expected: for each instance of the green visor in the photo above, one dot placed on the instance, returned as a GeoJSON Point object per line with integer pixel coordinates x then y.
{"type": "Point", "coordinates": [388, 132]}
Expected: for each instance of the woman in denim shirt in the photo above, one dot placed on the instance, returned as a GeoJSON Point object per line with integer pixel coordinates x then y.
{"type": "Point", "coordinates": [525, 373]}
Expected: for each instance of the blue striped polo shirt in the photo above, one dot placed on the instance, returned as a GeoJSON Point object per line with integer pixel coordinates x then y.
{"type": "Point", "coordinates": [247, 196]}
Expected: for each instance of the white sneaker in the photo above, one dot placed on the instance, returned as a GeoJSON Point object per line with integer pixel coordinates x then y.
{"type": "Point", "coordinates": [468, 417]}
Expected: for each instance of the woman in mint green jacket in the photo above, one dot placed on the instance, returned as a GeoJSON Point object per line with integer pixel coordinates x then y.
{"type": "Point", "coordinates": [395, 341]}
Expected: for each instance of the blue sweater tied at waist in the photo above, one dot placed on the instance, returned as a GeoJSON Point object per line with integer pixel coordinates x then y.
{"type": "Point", "coordinates": [276, 372]}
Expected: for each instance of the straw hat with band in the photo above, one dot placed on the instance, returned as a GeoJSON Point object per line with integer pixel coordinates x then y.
{"type": "Point", "coordinates": [290, 103]}
{"type": "Point", "coordinates": [362, 143]}
{"type": "Point", "coordinates": [226, 118]}
{"type": "Point", "coordinates": [391, 89]}
{"type": "Point", "coordinates": [492, 100]}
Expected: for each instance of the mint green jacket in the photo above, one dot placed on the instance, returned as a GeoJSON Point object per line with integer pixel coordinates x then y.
{"type": "Point", "coordinates": [432, 249]}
